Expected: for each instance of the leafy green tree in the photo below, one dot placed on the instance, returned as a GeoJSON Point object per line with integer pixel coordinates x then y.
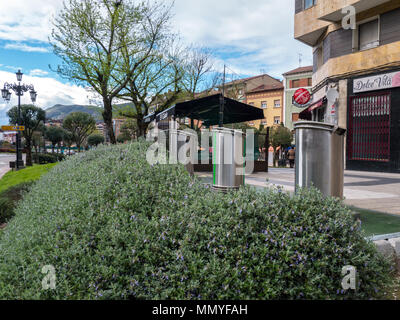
{"type": "Point", "coordinates": [106, 45]}
{"type": "Point", "coordinates": [81, 125]}
{"type": "Point", "coordinates": [156, 82]}
{"type": "Point", "coordinates": [54, 135]}
{"type": "Point", "coordinates": [282, 137]}
{"type": "Point", "coordinates": [31, 117]}
{"type": "Point", "coordinates": [130, 129]}
{"type": "Point", "coordinates": [95, 139]}
{"type": "Point", "coordinates": [38, 140]}
{"type": "Point", "coordinates": [68, 140]}
{"type": "Point", "coordinates": [122, 138]}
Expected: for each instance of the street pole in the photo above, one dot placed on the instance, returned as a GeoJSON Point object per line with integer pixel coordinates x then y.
{"type": "Point", "coordinates": [19, 89]}
{"type": "Point", "coordinates": [19, 163]}
{"type": "Point", "coordinates": [222, 102]}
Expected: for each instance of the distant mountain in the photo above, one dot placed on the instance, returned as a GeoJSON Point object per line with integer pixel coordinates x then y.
{"type": "Point", "coordinates": [60, 112]}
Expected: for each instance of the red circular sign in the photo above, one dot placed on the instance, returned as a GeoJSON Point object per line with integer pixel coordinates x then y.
{"type": "Point", "coordinates": [302, 96]}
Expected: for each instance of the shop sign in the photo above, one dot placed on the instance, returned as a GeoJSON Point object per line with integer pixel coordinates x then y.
{"type": "Point", "coordinates": [379, 82]}
{"type": "Point", "coordinates": [301, 98]}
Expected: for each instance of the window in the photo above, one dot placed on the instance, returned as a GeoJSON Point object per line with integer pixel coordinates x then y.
{"type": "Point", "coordinates": [251, 103]}
{"type": "Point", "coordinates": [295, 117]}
{"type": "Point", "coordinates": [251, 124]}
{"type": "Point", "coordinates": [309, 3]}
{"type": "Point", "coordinates": [277, 103]}
{"type": "Point", "coordinates": [264, 122]}
{"type": "Point", "coordinates": [295, 83]}
{"type": "Point", "coordinates": [368, 35]}
{"type": "Point", "coordinates": [264, 104]}
{"type": "Point", "coordinates": [309, 82]}
{"type": "Point", "coordinates": [277, 120]}
{"type": "Point", "coordinates": [187, 121]}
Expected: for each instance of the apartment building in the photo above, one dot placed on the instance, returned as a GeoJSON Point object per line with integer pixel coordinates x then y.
{"type": "Point", "coordinates": [240, 88]}
{"type": "Point", "coordinates": [362, 63]}
{"type": "Point", "coordinates": [295, 79]}
{"type": "Point", "coordinates": [270, 99]}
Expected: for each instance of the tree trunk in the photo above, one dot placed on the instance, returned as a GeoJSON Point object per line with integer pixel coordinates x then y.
{"type": "Point", "coordinates": [28, 153]}
{"type": "Point", "coordinates": [275, 157]}
{"type": "Point", "coordinates": [142, 126]}
{"type": "Point", "coordinates": [36, 153]}
{"type": "Point", "coordinates": [107, 116]}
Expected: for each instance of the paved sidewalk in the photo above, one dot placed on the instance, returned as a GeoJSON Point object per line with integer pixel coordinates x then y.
{"type": "Point", "coordinates": [5, 163]}
{"type": "Point", "coordinates": [367, 190]}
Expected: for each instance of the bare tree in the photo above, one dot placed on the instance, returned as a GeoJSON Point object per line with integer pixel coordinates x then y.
{"type": "Point", "coordinates": [199, 72]}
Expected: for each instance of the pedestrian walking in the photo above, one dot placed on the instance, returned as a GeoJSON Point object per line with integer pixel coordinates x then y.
{"type": "Point", "coordinates": [292, 157]}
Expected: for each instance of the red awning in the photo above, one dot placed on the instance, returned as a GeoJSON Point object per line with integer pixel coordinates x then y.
{"type": "Point", "coordinates": [306, 114]}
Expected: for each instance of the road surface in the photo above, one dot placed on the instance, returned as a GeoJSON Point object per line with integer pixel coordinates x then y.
{"type": "Point", "coordinates": [5, 162]}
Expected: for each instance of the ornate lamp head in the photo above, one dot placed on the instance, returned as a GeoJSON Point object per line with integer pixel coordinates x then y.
{"type": "Point", "coordinates": [19, 75]}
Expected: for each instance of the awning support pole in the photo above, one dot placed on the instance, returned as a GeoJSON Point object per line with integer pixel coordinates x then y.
{"type": "Point", "coordinates": [222, 102]}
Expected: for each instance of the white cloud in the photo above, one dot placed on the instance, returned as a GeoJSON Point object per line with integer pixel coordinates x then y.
{"type": "Point", "coordinates": [251, 35]}
{"type": "Point", "coordinates": [25, 47]}
{"type": "Point", "coordinates": [38, 73]}
{"type": "Point", "coordinates": [259, 32]}
{"type": "Point", "coordinates": [50, 92]}
{"type": "Point", "coordinates": [22, 20]}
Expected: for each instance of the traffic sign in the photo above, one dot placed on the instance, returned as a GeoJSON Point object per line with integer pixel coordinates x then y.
{"type": "Point", "coordinates": [13, 128]}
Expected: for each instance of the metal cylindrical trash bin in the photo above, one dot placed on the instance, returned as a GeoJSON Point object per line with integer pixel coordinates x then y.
{"type": "Point", "coordinates": [229, 153]}
{"type": "Point", "coordinates": [187, 149]}
{"type": "Point", "coordinates": [182, 148]}
{"type": "Point", "coordinates": [320, 157]}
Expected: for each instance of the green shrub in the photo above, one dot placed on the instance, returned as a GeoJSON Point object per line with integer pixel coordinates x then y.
{"type": "Point", "coordinates": [9, 199]}
{"type": "Point", "coordinates": [115, 227]}
{"type": "Point", "coordinates": [7, 150]}
{"type": "Point", "coordinates": [44, 158]}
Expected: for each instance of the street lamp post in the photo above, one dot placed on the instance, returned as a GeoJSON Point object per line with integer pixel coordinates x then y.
{"type": "Point", "coordinates": [19, 90]}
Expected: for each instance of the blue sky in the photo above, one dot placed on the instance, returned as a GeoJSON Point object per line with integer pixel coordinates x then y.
{"type": "Point", "coordinates": [249, 36]}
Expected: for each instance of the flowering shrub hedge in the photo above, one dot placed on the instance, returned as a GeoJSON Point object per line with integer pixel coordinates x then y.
{"type": "Point", "coordinates": [115, 227]}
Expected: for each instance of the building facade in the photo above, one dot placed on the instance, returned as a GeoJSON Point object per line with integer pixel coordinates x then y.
{"type": "Point", "coordinates": [295, 79]}
{"type": "Point", "coordinates": [240, 89]}
{"type": "Point", "coordinates": [362, 64]}
{"type": "Point", "coordinates": [270, 99]}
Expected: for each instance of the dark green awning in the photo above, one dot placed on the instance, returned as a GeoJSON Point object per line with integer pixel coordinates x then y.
{"type": "Point", "coordinates": [207, 110]}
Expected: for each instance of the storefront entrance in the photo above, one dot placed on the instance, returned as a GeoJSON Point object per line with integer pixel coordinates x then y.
{"type": "Point", "coordinates": [373, 123]}
{"type": "Point", "coordinates": [369, 127]}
